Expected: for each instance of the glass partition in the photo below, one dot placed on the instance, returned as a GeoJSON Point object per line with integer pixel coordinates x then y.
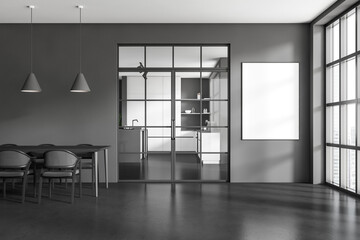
{"type": "Point", "coordinates": [173, 113]}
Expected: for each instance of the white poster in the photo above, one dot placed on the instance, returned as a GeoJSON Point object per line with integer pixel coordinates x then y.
{"type": "Point", "coordinates": [270, 101]}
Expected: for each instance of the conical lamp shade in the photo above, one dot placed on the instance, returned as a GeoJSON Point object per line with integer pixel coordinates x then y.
{"type": "Point", "coordinates": [80, 84]}
{"type": "Point", "coordinates": [31, 84]}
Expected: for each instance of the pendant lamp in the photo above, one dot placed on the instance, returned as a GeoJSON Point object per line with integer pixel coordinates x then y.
{"type": "Point", "coordinates": [80, 84]}
{"type": "Point", "coordinates": [31, 84]}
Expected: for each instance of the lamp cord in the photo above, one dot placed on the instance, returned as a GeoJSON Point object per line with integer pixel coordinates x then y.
{"type": "Point", "coordinates": [80, 42]}
{"type": "Point", "coordinates": [31, 41]}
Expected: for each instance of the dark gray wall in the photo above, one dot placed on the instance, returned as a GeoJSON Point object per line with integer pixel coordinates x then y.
{"type": "Point", "coordinates": [60, 117]}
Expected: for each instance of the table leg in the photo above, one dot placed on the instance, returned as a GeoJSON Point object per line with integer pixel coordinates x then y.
{"type": "Point", "coordinates": [95, 158]}
{"type": "Point", "coordinates": [106, 166]}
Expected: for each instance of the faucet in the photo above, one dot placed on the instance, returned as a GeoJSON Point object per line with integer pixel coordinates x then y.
{"type": "Point", "coordinates": [134, 120]}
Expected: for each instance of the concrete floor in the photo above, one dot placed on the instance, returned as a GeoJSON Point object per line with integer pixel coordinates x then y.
{"type": "Point", "coordinates": [191, 211]}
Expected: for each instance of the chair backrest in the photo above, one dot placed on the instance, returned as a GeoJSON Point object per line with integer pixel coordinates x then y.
{"type": "Point", "coordinates": [8, 145]}
{"type": "Point", "coordinates": [46, 145]}
{"type": "Point", "coordinates": [86, 155]}
{"type": "Point", "coordinates": [13, 159]}
{"type": "Point", "coordinates": [60, 159]}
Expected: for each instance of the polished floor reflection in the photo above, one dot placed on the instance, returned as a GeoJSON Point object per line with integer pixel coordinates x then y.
{"type": "Point", "coordinates": [188, 211]}
{"type": "Point", "coordinates": [158, 167]}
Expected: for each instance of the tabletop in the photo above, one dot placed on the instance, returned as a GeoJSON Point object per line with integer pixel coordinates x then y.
{"type": "Point", "coordinates": [74, 148]}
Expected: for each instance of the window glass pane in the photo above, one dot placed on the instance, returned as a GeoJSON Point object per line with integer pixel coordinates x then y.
{"type": "Point", "coordinates": [215, 139]}
{"type": "Point", "coordinates": [158, 166]}
{"type": "Point", "coordinates": [215, 85]}
{"type": "Point", "coordinates": [333, 158]}
{"type": "Point", "coordinates": [189, 113]}
{"type": "Point", "coordinates": [187, 85]}
{"type": "Point", "coordinates": [158, 85]}
{"type": "Point", "coordinates": [335, 41]}
{"type": "Point", "coordinates": [217, 113]}
{"type": "Point", "coordinates": [158, 56]}
{"type": "Point", "coordinates": [131, 56]}
{"type": "Point", "coordinates": [351, 170]}
{"type": "Point", "coordinates": [332, 124]}
{"type": "Point", "coordinates": [333, 82]}
{"type": "Point", "coordinates": [187, 57]}
{"type": "Point", "coordinates": [132, 110]}
{"type": "Point", "coordinates": [131, 85]}
{"type": "Point", "coordinates": [186, 140]}
{"type": "Point", "coordinates": [159, 132]}
{"type": "Point", "coordinates": [348, 169]}
{"type": "Point", "coordinates": [214, 57]}
{"type": "Point", "coordinates": [159, 144]}
{"type": "Point", "coordinates": [131, 166]}
{"type": "Point", "coordinates": [350, 32]}
{"type": "Point", "coordinates": [158, 113]}
{"type": "Point", "coordinates": [348, 124]}
{"type": "Point", "coordinates": [348, 80]}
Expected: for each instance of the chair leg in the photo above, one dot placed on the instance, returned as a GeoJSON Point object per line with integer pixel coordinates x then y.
{"type": "Point", "coordinates": [73, 189]}
{"type": "Point", "coordinates": [40, 189]}
{"type": "Point", "coordinates": [4, 188]}
{"type": "Point", "coordinates": [34, 179]}
{"type": "Point", "coordinates": [23, 189]}
{"type": "Point", "coordinates": [50, 186]}
{"type": "Point", "coordinates": [80, 186]}
{"type": "Point", "coordinates": [93, 177]}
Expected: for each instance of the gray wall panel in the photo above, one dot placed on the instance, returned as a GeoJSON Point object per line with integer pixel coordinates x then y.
{"type": "Point", "coordinates": [60, 117]}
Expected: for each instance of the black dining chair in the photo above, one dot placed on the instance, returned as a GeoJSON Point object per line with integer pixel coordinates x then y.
{"type": "Point", "coordinates": [87, 162]}
{"type": "Point", "coordinates": [12, 146]}
{"type": "Point", "coordinates": [14, 164]}
{"type": "Point", "coordinates": [60, 164]}
{"type": "Point", "coordinates": [37, 159]}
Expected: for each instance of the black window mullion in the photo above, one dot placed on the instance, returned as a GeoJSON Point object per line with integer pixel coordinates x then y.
{"type": "Point", "coordinates": [340, 99]}
{"type": "Point", "coordinates": [356, 96]}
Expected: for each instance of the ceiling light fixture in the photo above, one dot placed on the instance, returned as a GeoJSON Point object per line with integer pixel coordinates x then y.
{"type": "Point", "coordinates": [31, 84]}
{"type": "Point", "coordinates": [80, 84]}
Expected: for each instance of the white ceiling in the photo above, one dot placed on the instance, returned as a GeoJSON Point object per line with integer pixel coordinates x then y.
{"type": "Point", "coordinates": [164, 11]}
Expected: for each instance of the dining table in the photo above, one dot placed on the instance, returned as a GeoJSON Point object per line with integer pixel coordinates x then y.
{"type": "Point", "coordinates": [82, 149]}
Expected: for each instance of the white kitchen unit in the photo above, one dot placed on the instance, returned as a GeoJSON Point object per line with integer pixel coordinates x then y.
{"type": "Point", "coordinates": [210, 143]}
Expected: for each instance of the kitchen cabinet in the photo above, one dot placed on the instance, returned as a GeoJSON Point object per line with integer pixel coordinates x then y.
{"type": "Point", "coordinates": [209, 142]}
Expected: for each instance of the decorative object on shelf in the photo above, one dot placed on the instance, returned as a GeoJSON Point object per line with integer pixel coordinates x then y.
{"type": "Point", "coordinates": [198, 96]}
{"type": "Point", "coordinates": [80, 84]}
{"type": "Point", "coordinates": [31, 84]}
{"type": "Point", "coordinates": [205, 110]}
{"type": "Point", "coordinates": [187, 111]}
{"type": "Point", "coordinates": [193, 110]}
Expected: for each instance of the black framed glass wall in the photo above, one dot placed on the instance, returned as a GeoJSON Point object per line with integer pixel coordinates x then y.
{"type": "Point", "coordinates": [173, 112]}
{"type": "Point", "coordinates": [342, 101]}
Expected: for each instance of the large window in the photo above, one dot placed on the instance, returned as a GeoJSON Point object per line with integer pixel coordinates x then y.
{"type": "Point", "coordinates": [342, 101]}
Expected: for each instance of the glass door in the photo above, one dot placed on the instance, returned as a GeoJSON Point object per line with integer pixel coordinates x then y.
{"type": "Point", "coordinates": [201, 126]}
{"type": "Point", "coordinates": [144, 137]}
